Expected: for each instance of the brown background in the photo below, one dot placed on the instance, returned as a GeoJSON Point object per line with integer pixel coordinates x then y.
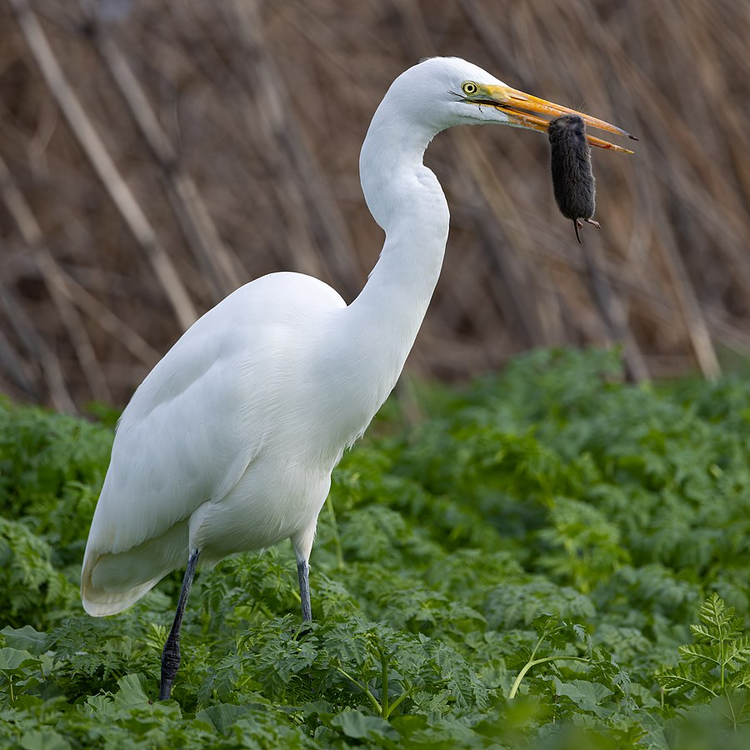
{"type": "Point", "coordinates": [261, 108]}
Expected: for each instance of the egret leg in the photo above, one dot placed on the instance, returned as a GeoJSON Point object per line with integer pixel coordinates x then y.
{"type": "Point", "coordinates": [170, 658]}
{"type": "Point", "coordinates": [303, 573]}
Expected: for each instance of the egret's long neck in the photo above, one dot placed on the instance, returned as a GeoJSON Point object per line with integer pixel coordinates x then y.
{"type": "Point", "coordinates": [406, 200]}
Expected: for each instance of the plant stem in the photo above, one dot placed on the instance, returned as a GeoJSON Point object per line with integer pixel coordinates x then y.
{"type": "Point", "coordinates": [384, 678]}
{"type": "Point", "coordinates": [538, 643]}
{"type": "Point", "coordinates": [336, 537]}
{"type": "Point", "coordinates": [721, 653]}
{"type": "Point", "coordinates": [529, 664]}
{"type": "Point", "coordinates": [732, 717]}
{"type": "Point", "coordinates": [398, 702]}
{"type": "Point", "coordinates": [697, 684]}
{"type": "Point", "coordinates": [363, 688]}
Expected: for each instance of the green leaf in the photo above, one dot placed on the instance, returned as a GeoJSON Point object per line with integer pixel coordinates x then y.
{"type": "Point", "coordinates": [553, 487]}
{"type": "Point", "coordinates": [43, 740]}
{"type": "Point", "coordinates": [734, 707]}
{"type": "Point", "coordinates": [360, 726]}
{"type": "Point", "coordinates": [222, 716]}
{"type": "Point", "coordinates": [587, 695]}
{"type": "Point", "coordinates": [25, 638]}
{"type": "Point", "coordinates": [132, 691]}
{"type": "Point", "coordinates": [718, 660]}
{"type": "Point", "coordinates": [683, 678]}
{"type": "Point", "coordinates": [12, 659]}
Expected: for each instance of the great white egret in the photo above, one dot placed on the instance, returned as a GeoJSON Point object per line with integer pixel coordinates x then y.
{"type": "Point", "coordinates": [229, 443]}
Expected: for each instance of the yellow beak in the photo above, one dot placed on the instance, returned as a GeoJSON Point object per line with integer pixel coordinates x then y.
{"type": "Point", "coordinates": [519, 107]}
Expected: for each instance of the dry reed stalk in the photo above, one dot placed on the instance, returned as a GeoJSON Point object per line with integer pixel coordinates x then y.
{"type": "Point", "coordinates": [32, 235]}
{"type": "Point", "coordinates": [614, 319]}
{"type": "Point", "coordinates": [190, 211]}
{"type": "Point", "coordinates": [92, 145]}
{"type": "Point", "coordinates": [41, 356]}
{"type": "Point", "coordinates": [67, 293]}
{"type": "Point", "coordinates": [19, 373]}
{"type": "Point", "coordinates": [535, 314]}
{"type": "Point", "coordinates": [324, 219]}
{"type": "Point", "coordinates": [256, 92]}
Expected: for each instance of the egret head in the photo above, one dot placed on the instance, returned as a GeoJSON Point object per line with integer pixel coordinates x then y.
{"type": "Point", "coordinates": [441, 92]}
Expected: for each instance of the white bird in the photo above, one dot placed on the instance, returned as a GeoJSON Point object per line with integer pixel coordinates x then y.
{"type": "Point", "coordinates": [229, 443]}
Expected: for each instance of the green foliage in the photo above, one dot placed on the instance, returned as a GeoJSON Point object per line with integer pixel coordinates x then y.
{"type": "Point", "coordinates": [718, 661]}
{"type": "Point", "coordinates": [520, 569]}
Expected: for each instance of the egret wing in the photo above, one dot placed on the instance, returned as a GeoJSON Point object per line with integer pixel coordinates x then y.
{"type": "Point", "coordinates": [189, 433]}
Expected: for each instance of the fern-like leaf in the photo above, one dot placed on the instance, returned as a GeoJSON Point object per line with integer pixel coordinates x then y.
{"type": "Point", "coordinates": [719, 658]}
{"type": "Point", "coordinates": [700, 653]}
{"type": "Point", "coordinates": [719, 619]}
{"type": "Point", "coordinates": [737, 650]}
{"type": "Point", "coordinates": [683, 678]}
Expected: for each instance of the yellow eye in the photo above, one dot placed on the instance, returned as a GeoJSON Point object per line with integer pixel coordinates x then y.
{"type": "Point", "coordinates": [469, 88]}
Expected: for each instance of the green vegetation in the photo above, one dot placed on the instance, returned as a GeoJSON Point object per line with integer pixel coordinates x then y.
{"type": "Point", "coordinates": [550, 559]}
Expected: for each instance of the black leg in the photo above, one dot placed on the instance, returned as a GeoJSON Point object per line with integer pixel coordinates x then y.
{"type": "Point", "coordinates": [303, 573]}
{"type": "Point", "coordinates": [170, 658]}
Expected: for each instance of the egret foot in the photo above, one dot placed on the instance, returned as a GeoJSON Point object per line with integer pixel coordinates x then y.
{"type": "Point", "coordinates": [170, 658]}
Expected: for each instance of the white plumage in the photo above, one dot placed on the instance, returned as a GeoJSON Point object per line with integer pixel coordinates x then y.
{"type": "Point", "coordinates": [229, 443]}
{"type": "Point", "coordinates": [210, 446]}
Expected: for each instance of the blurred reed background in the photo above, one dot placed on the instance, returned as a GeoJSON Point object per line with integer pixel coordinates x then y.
{"type": "Point", "coordinates": [171, 151]}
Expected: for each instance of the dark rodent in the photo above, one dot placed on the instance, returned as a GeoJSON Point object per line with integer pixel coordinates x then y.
{"type": "Point", "coordinates": [572, 178]}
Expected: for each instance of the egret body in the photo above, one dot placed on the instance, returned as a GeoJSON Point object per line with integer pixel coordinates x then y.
{"type": "Point", "coordinates": [229, 443]}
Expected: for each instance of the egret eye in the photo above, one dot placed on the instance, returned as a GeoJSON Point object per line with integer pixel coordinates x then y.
{"type": "Point", "coordinates": [469, 88]}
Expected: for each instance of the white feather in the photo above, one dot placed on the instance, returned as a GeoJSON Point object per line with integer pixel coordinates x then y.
{"type": "Point", "coordinates": [229, 443]}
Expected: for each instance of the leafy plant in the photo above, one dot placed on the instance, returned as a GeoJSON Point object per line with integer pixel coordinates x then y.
{"type": "Point", "coordinates": [552, 632]}
{"type": "Point", "coordinates": [719, 659]}
{"type": "Point", "coordinates": [518, 570]}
